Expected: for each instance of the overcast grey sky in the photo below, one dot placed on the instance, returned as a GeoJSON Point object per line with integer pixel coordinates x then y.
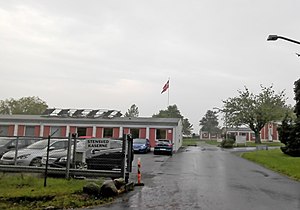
{"type": "Point", "coordinates": [114, 53]}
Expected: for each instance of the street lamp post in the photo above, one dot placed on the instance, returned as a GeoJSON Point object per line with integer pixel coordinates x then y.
{"type": "Point", "coordinates": [275, 37]}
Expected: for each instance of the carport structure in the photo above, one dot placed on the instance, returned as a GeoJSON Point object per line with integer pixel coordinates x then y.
{"type": "Point", "coordinates": [92, 123]}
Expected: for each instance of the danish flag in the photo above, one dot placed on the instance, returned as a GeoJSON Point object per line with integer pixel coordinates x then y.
{"type": "Point", "coordinates": [165, 88]}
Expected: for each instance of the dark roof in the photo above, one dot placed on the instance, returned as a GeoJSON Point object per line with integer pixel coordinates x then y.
{"type": "Point", "coordinates": [81, 113]}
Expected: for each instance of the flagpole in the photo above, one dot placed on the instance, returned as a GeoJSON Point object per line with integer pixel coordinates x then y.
{"type": "Point", "coordinates": [169, 93]}
{"type": "Point", "coordinates": [166, 88]}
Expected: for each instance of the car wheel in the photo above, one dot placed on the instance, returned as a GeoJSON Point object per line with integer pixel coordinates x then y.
{"type": "Point", "coordinates": [36, 162]}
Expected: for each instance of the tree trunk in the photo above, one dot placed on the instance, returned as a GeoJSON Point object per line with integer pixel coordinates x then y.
{"type": "Point", "coordinates": [257, 137]}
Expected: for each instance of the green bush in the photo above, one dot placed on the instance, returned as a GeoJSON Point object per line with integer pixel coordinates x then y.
{"type": "Point", "coordinates": [289, 130]}
{"type": "Point", "coordinates": [227, 143]}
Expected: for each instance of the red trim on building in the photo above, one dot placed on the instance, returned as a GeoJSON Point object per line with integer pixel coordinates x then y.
{"type": "Point", "coordinates": [170, 134]}
{"type": "Point", "coordinates": [37, 129]}
{"type": "Point", "coordinates": [73, 129]}
{"type": "Point", "coordinates": [46, 131]}
{"type": "Point", "coordinates": [21, 130]}
{"type": "Point", "coordinates": [11, 129]}
{"type": "Point", "coordinates": [63, 131]}
{"type": "Point", "coordinates": [116, 132]}
{"type": "Point", "coordinates": [142, 133]}
{"type": "Point", "coordinates": [126, 130]}
{"type": "Point", "coordinates": [89, 131]}
{"type": "Point", "coordinates": [275, 133]}
{"type": "Point", "coordinates": [99, 132]}
{"type": "Point", "coordinates": [152, 136]}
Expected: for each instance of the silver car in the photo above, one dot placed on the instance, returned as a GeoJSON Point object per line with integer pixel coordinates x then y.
{"type": "Point", "coordinates": [58, 158]}
{"type": "Point", "coordinates": [32, 155]}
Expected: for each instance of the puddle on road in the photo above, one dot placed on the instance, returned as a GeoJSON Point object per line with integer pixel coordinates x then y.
{"type": "Point", "coordinates": [261, 172]}
{"type": "Point", "coordinates": [201, 149]}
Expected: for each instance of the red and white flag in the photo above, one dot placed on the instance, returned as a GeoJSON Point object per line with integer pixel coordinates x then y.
{"type": "Point", "coordinates": [165, 88]}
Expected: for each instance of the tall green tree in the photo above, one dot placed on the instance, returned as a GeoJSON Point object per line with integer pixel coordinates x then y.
{"type": "Point", "coordinates": [210, 122]}
{"type": "Point", "coordinates": [289, 130]}
{"type": "Point", "coordinates": [255, 110]}
{"type": "Point", "coordinates": [187, 127]}
{"type": "Point", "coordinates": [133, 111]}
{"type": "Point", "coordinates": [26, 105]}
{"type": "Point", "coordinates": [173, 112]}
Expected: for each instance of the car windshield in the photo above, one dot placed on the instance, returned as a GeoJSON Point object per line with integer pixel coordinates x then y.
{"type": "Point", "coordinates": [163, 140]}
{"type": "Point", "coordinates": [139, 141]}
{"type": "Point", "coordinates": [39, 145]}
{"type": "Point", "coordinates": [4, 141]}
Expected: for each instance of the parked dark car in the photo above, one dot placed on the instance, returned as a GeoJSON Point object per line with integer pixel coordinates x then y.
{"type": "Point", "coordinates": [106, 159]}
{"type": "Point", "coordinates": [141, 145]}
{"type": "Point", "coordinates": [10, 143]}
{"type": "Point", "coordinates": [163, 146]}
{"type": "Point", "coordinates": [99, 159]}
{"type": "Point", "coordinates": [109, 158]}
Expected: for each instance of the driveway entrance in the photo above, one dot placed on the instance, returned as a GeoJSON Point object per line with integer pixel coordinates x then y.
{"type": "Point", "coordinates": [209, 178]}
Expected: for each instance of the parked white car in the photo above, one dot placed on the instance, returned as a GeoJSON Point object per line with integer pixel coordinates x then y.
{"type": "Point", "coordinates": [32, 155]}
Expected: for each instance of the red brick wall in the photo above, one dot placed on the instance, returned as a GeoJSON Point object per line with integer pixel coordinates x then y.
{"type": "Point", "coordinates": [89, 131]}
{"type": "Point", "coordinates": [116, 132]}
{"type": "Point", "coordinates": [73, 129]}
{"type": "Point", "coordinates": [99, 132]}
{"type": "Point", "coordinates": [37, 131]}
{"type": "Point", "coordinates": [11, 129]}
{"type": "Point", "coordinates": [142, 133]}
{"type": "Point", "coordinates": [152, 136]}
{"type": "Point", "coordinates": [170, 134]}
{"type": "Point", "coordinates": [21, 130]}
{"type": "Point", "coordinates": [63, 131]}
{"type": "Point", "coordinates": [46, 131]}
{"type": "Point", "coordinates": [126, 130]}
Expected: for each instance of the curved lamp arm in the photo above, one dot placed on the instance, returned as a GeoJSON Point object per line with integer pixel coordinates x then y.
{"type": "Point", "coordinates": [275, 37]}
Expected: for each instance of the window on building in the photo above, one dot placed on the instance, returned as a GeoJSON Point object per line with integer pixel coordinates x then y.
{"type": "Point", "coordinates": [3, 130]}
{"type": "Point", "coordinates": [29, 130]}
{"type": "Point", "coordinates": [161, 134]}
{"type": "Point", "coordinates": [108, 132]}
{"type": "Point", "coordinates": [81, 131]}
{"type": "Point", "coordinates": [135, 132]}
{"type": "Point", "coordinates": [55, 131]}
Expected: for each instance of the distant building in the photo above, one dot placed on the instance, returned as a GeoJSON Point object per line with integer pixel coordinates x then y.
{"type": "Point", "coordinates": [268, 133]}
{"type": "Point", "coordinates": [208, 135]}
{"type": "Point", "coordinates": [91, 123]}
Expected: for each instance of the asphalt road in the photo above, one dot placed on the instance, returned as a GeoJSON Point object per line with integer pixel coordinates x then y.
{"type": "Point", "coordinates": [208, 178]}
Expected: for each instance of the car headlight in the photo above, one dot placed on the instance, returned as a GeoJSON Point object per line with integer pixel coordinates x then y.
{"type": "Point", "coordinates": [21, 157]}
{"type": "Point", "coordinates": [63, 159]}
{"type": "Point", "coordinates": [143, 147]}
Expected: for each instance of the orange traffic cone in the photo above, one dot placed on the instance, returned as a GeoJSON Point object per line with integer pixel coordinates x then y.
{"type": "Point", "coordinates": [139, 174]}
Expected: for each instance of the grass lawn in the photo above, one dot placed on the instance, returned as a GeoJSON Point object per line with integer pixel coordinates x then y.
{"type": "Point", "coordinates": [28, 192]}
{"type": "Point", "coordinates": [212, 142]}
{"type": "Point", "coordinates": [190, 142]}
{"type": "Point", "coordinates": [270, 144]}
{"type": "Point", "coordinates": [194, 142]}
{"type": "Point", "coordinates": [277, 161]}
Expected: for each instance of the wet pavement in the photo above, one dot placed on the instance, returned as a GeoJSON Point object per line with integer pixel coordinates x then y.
{"type": "Point", "coordinates": [209, 178]}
